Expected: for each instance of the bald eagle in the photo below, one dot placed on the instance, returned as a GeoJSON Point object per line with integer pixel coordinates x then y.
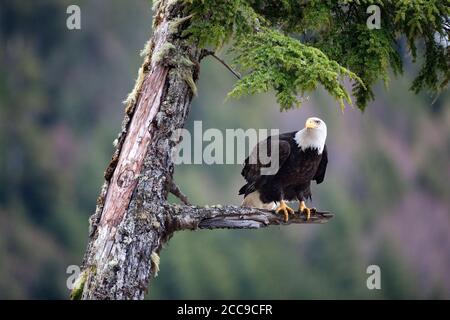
{"type": "Point", "coordinates": [302, 157]}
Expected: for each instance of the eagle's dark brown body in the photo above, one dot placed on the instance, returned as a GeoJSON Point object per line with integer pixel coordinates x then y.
{"type": "Point", "coordinates": [296, 170]}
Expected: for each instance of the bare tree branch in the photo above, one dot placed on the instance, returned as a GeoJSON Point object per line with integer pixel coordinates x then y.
{"type": "Point", "coordinates": [206, 53]}
{"type": "Point", "coordinates": [233, 217]}
{"type": "Point", "coordinates": [175, 190]}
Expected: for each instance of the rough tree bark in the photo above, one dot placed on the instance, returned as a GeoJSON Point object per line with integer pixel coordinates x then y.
{"type": "Point", "coordinates": [132, 218]}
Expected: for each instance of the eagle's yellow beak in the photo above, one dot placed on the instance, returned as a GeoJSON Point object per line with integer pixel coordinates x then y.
{"type": "Point", "coordinates": [310, 124]}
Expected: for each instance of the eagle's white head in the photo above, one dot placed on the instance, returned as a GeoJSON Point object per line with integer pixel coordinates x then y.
{"type": "Point", "coordinates": [313, 135]}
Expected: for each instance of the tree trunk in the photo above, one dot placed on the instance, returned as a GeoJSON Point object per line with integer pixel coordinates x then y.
{"type": "Point", "coordinates": [132, 218]}
{"type": "Point", "coordinates": [128, 228]}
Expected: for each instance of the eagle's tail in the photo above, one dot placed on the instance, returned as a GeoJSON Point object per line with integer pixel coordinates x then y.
{"type": "Point", "coordinates": [253, 200]}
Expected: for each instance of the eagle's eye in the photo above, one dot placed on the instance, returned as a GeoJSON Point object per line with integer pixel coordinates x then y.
{"type": "Point", "coordinates": [317, 121]}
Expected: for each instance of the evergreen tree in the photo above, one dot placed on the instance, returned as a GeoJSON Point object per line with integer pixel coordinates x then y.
{"type": "Point", "coordinates": [291, 47]}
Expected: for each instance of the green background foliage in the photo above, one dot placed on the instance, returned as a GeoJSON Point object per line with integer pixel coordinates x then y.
{"type": "Point", "coordinates": [387, 182]}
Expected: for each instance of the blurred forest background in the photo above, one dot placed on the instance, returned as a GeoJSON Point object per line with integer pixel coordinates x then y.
{"type": "Point", "coordinates": [60, 110]}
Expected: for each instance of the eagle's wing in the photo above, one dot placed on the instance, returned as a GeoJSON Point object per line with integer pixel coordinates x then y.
{"type": "Point", "coordinates": [253, 164]}
{"type": "Point", "coordinates": [320, 173]}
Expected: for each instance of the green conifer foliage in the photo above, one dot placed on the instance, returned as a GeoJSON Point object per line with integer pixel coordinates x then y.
{"type": "Point", "coordinates": [293, 46]}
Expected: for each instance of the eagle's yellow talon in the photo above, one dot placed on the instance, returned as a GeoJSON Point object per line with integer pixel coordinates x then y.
{"type": "Point", "coordinates": [283, 208]}
{"type": "Point", "coordinates": [307, 211]}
